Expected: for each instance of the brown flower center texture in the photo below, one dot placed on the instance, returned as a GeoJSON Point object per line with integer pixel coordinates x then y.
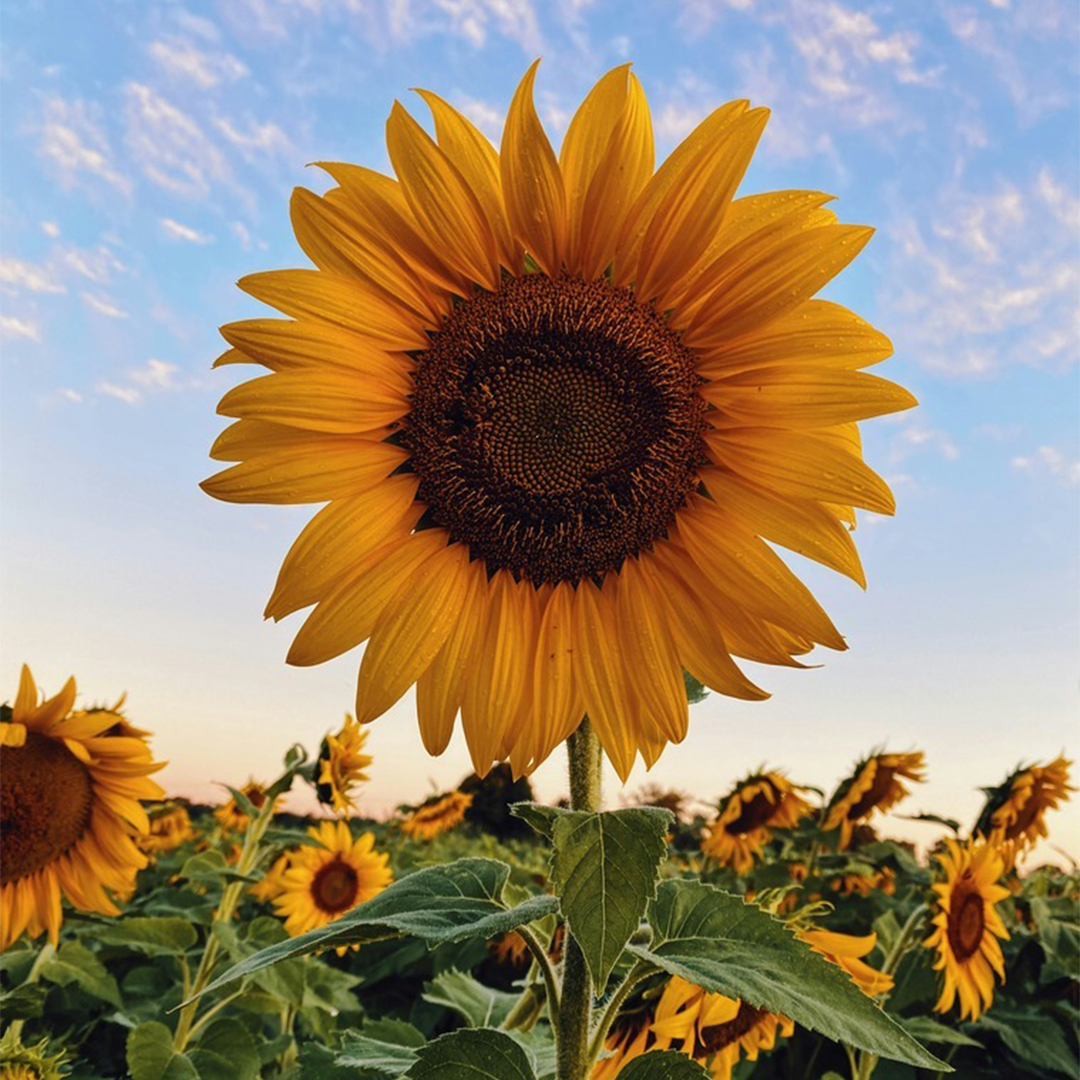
{"type": "Point", "coordinates": [967, 920]}
{"type": "Point", "coordinates": [883, 779]}
{"type": "Point", "coordinates": [756, 812]}
{"type": "Point", "coordinates": [335, 887]}
{"type": "Point", "coordinates": [46, 797]}
{"type": "Point", "coordinates": [555, 427]}
{"type": "Point", "coordinates": [718, 1036]}
{"type": "Point", "coordinates": [1028, 813]}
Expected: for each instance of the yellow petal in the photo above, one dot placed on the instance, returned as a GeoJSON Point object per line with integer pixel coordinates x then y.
{"type": "Point", "coordinates": [253, 438]}
{"type": "Point", "coordinates": [411, 630]}
{"type": "Point", "coordinates": [330, 401]}
{"type": "Point", "coordinates": [532, 182]}
{"type": "Point", "coordinates": [339, 537]}
{"type": "Point", "coordinates": [690, 213]}
{"type": "Point", "coordinates": [350, 611]}
{"type": "Point", "coordinates": [27, 697]}
{"type": "Point", "coordinates": [328, 298]}
{"type": "Point", "coordinates": [441, 200]}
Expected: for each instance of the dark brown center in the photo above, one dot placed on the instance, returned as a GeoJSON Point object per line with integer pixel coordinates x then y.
{"type": "Point", "coordinates": [756, 812]}
{"type": "Point", "coordinates": [883, 779]}
{"type": "Point", "coordinates": [555, 427]}
{"type": "Point", "coordinates": [46, 796]}
{"type": "Point", "coordinates": [1028, 813]}
{"type": "Point", "coordinates": [335, 887]}
{"type": "Point", "coordinates": [718, 1036]}
{"type": "Point", "coordinates": [967, 919]}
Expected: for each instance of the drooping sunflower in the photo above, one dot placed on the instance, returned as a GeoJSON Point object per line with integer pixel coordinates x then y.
{"type": "Point", "coordinates": [1015, 811]}
{"type": "Point", "coordinates": [437, 816]}
{"type": "Point", "coordinates": [69, 808]}
{"type": "Point", "coordinates": [170, 826]}
{"type": "Point", "coordinates": [341, 767]}
{"type": "Point", "coordinates": [874, 787]}
{"type": "Point", "coordinates": [967, 926]}
{"type": "Point", "coordinates": [558, 409]}
{"type": "Point", "coordinates": [759, 804]}
{"type": "Point", "coordinates": [229, 815]}
{"type": "Point", "coordinates": [847, 951]}
{"type": "Point", "coordinates": [322, 883]}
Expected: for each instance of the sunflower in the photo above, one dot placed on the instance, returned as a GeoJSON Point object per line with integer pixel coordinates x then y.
{"type": "Point", "coordinates": [967, 926]}
{"type": "Point", "coordinates": [322, 882]}
{"type": "Point", "coordinates": [170, 826]}
{"type": "Point", "coordinates": [341, 767]}
{"type": "Point", "coordinates": [69, 804]}
{"type": "Point", "coordinates": [437, 816]}
{"type": "Point", "coordinates": [874, 787]}
{"type": "Point", "coordinates": [229, 815]}
{"type": "Point", "coordinates": [510, 949]}
{"type": "Point", "coordinates": [272, 883]}
{"type": "Point", "coordinates": [19, 1062]}
{"type": "Point", "coordinates": [847, 951]}
{"type": "Point", "coordinates": [760, 803]}
{"type": "Point", "coordinates": [1015, 812]}
{"type": "Point", "coordinates": [558, 409]}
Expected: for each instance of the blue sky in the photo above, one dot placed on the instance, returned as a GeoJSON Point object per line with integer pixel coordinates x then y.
{"type": "Point", "coordinates": [148, 153]}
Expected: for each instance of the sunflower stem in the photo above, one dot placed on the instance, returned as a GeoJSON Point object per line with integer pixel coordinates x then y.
{"type": "Point", "coordinates": [575, 1011]}
{"type": "Point", "coordinates": [45, 954]}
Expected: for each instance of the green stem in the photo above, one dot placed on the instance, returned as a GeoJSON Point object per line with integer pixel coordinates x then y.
{"type": "Point", "coordinates": [45, 954]}
{"type": "Point", "coordinates": [575, 1011]}
{"type": "Point", "coordinates": [639, 971]}
{"type": "Point", "coordinates": [551, 984]}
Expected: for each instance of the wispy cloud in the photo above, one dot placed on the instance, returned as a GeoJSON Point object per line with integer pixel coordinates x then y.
{"type": "Point", "coordinates": [104, 305]}
{"type": "Point", "coordinates": [182, 58]}
{"type": "Point", "coordinates": [51, 229]}
{"type": "Point", "coordinates": [256, 138]}
{"type": "Point", "coordinates": [74, 145]}
{"type": "Point", "coordinates": [97, 265]}
{"type": "Point", "coordinates": [127, 394]}
{"type": "Point", "coordinates": [11, 327]}
{"type": "Point", "coordinates": [1049, 461]}
{"type": "Point", "coordinates": [17, 274]}
{"type": "Point", "coordinates": [154, 376]}
{"type": "Point", "coordinates": [176, 230]}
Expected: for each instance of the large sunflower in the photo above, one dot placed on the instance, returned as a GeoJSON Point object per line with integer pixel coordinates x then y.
{"type": "Point", "coordinates": [967, 926]}
{"type": "Point", "coordinates": [69, 807]}
{"type": "Point", "coordinates": [874, 787]}
{"type": "Point", "coordinates": [437, 816]}
{"type": "Point", "coordinates": [1015, 812]}
{"type": "Point", "coordinates": [758, 804]}
{"type": "Point", "coordinates": [558, 409]}
{"type": "Point", "coordinates": [341, 767]}
{"type": "Point", "coordinates": [321, 883]}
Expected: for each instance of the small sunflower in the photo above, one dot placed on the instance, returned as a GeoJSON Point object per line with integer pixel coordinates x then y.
{"type": "Point", "coordinates": [69, 804]}
{"type": "Point", "coordinates": [322, 883]}
{"type": "Point", "coordinates": [967, 926]}
{"type": "Point", "coordinates": [559, 408]}
{"type": "Point", "coordinates": [760, 803]}
{"type": "Point", "coordinates": [272, 884]}
{"type": "Point", "coordinates": [341, 767]}
{"type": "Point", "coordinates": [874, 787]}
{"type": "Point", "coordinates": [1015, 812]}
{"type": "Point", "coordinates": [437, 816]}
{"type": "Point", "coordinates": [229, 815]}
{"type": "Point", "coordinates": [170, 826]}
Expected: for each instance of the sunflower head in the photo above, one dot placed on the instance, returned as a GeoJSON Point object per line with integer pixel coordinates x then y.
{"type": "Point", "coordinates": [874, 787]}
{"type": "Point", "coordinates": [1015, 811]}
{"type": "Point", "coordinates": [272, 883]}
{"type": "Point", "coordinates": [341, 767]}
{"type": "Point", "coordinates": [762, 802]}
{"type": "Point", "coordinates": [325, 879]}
{"type": "Point", "coordinates": [69, 807]}
{"type": "Point", "coordinates": [229, 815]}
{"type": "Point", "coordinates": [19, 1062]}
{"type": "Point", "coordinates": [558, 406]}
{"type": "Point", "coordinates": [967, 925]}
{"type": "Point", "coordinates": [170, 826]}
{"type": "Point", "coordinates": [436, 816]}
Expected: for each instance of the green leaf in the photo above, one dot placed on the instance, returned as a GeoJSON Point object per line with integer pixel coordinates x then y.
{"type": "Point", "coordinates": [663, 1065]}
{"type": "Point", "coordinates": [479, 1005]}
{"type": "Point", "coordinates": [439, 904]}
{"type": "Point", "coordinates": [472, 1054]}
{"type": "Point", "coordinates": [375, 1055]}
{"type": "Point", "coordinates": [695, 690]}
{"type": "Point", "coordinates": [1034, 1038]}
{"type": "Point", "coordinates": [26, 1002]}
{"type": "Point", "coordinates": [210, 867]}
{"type": "Point", "coordinates": [542, 818]}
{"type": "Point", "coordinates": [605, 869]}
{"type": "Point", "coordinates": [150, 1055]}
{"type": "Point", "coordinates": [153, 937]}
{"type": "Point", "coordinates": [927, 1029]}
{"type": "Point", "coordinates": [718, 942]}
{"type": "Point", "coordinates": [226, 1051]}
{"type": "Point", "coordinates": [75, 963]}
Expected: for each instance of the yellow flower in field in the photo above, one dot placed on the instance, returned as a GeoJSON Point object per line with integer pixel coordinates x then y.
{"type": "Point", "coordinates": [559, 408]}
{"type": "Point", "coordinates": [341, 767]}
{"type": "Point", "coordinates": [170, 826]}
{"type": "Point", "coordinates": [847, 951]}
{"type": "Point", "coordinates": [69, 806]}
{"type": "Point", "coordinates": [229, 815]}
{"type": "Point", "coordinates": [1015, 812]}
{"type": "Point", "coordinates": [273, 881]}
{"type": "Point", "coordinates": [967, 926]}
{"type": "Point", "coordinates": [760, 803]}
{"type": "Point", "coordinates": [322, 883]}
{"type": "Point", "coordinates": [874, 787]}
{"type": "Point", "coordinates": [436, 817]}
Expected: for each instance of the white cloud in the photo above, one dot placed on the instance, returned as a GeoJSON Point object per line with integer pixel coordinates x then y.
{"type": "Point", "coordinates": [10, 327]}
{"type": "Point", "coordinates": [488, 118]}
{"type": "Point", "coordinates": [1049, 461]}
{"type": "Point", "coordinates": [23, 275]}
{"type": "Point", "coordinates": [71, 395]}
{"type": "Point", "coordinates": [50, 228]}
{"type": "Point", "coordinates": [917, 436]}
{"type": "Point", "coordinates": [127, 394]}
{"type": "Point", "coordinates": [104, 305]}
{"type": "Point", "coordinates": [73, 143]}
{"type": "Point", "coordinates": [156, 375]}
{"type": "Point", "coordinates": [181, 57]}
{"type": "Point", "coordinates": [172, 149]}
{"type": "Point", "coordinates": [175, 230]}
{"type": "Point", "coordinates": [264, 138]}
{"type": "Point", "coordinates": [97, 266]}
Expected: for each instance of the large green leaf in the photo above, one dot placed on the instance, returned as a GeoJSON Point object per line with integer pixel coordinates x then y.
{"type": "Point", "coordinates": [472, 1054]}
{"type": "Point", "coordinates": [150, 1055]}
{"type": "Point", "coordinates": [663, 1065]}
{"type": "Point", "coordinates": [226, 1051]}
{"type": "Point", "coordinates": [154, 937]}
{"type": "Point", "coordinates": [374, 1056]}
{"type": "Point", "coordinates": [439, 904]}
{"type": "Point", "coordinates": [75, 963]}
{"type": "Point", "coordinates": [478, 1005]}
{"type": "Point", "coordinates": [927, 1029]}
{"type": "Point", "coordinates": [717, 941]}
{"type": "Point", "coordinates": [605, 869]}
{"type": "Point", "coordinates": [1034, 1038]}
